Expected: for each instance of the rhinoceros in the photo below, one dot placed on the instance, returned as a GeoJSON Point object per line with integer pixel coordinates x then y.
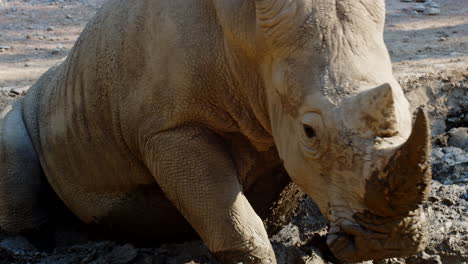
{"type": "Point", "coordinates": [169, 116]}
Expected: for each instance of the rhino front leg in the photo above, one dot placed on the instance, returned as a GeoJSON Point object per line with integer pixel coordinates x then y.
{"type": "Point", "coordinates": [196, 173]}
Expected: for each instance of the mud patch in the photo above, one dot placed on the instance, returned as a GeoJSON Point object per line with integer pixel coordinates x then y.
{"type": "Point", "coordinates": [297, 229]}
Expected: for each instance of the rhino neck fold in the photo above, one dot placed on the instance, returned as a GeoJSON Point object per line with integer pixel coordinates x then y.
{"type": "Point", "coordinates": [247, 88]}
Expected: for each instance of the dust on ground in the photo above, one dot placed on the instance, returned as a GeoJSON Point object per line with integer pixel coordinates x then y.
{"type": "Point", "coordinates": [430, 55]}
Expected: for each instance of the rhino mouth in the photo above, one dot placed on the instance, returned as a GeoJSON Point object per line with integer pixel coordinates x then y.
{"type": "Point", "coordinates": [372, 237]}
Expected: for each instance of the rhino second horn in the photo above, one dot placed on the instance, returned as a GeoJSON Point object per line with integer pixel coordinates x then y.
{"type": "Point", "coordinates": [405, 182]}
{"type": "Point", "coordinates": [373, 111]}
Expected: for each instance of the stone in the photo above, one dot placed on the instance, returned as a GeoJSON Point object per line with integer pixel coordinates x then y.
{"type": "Point", "coordinates": [5, 48]}
{"type": "Point", "coordinates": [122, 254]}
{"type": "Point", "coordinates": [450, 165]}
{"type": "Point", "coordinates": [458, 137]}
{"type": "Point", "coordinates": [56, 51]}
{"type": "Point", "coordinates": [20, 90]}
{"type": "Point", "coordinates": [433, 11]}
{"type": "Point", "coordinates": [419, 8]}
{"type": "Point", "coordinates": [68, 16]}
{"type": "Point", "coordinates": [455, 54]}
{"type": "Point", "coordinates": [424, 258]}
{"type": "Point", "coordinates": [17, 243]}
{"type": "Point", "coordinates": [312, 260]}
{"type": "Point", "coordinates": [50, 28]}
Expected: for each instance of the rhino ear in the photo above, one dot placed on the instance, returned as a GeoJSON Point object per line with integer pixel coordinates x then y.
{"type": "Point", "coordinates": [276, 19]}
{"type": "Point", "coordinates": [372, 111]}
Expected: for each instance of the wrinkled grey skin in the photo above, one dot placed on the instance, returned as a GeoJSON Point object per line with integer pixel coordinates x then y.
{"type": "Point", "coordinates": [179, 108]}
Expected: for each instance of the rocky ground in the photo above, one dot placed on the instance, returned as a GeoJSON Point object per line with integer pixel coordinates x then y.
{"type": "Point", "coordinates": [428, 42]}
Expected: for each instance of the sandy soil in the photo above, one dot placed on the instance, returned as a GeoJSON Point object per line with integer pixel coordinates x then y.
{"type": "Point", "coordinates": [421, 43]}
{"type": "Point", "coordinates": [430, 55]}
{"type": "Point", "coordinates": [36, 29]}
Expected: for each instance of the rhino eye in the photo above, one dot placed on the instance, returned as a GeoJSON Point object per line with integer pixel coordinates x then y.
{"type": "Point", "coordinates": [309, 131]}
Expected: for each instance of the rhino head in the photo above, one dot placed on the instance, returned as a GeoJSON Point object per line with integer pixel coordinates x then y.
{"type": "Point", "coordinates": [342, 124]}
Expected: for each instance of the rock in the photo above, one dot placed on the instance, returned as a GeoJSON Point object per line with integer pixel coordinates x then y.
{"type": "Point", "coordinates": [28, 36]}
{"type": "Point", "coordinates": [433, 11]}
{"type": "Point", "coordinates": [315, 257]}
{"type": "Point", "coordinates": [312, 260]}
{"type": "Point", "coordinates": [18, 243]}
{"type": "Point", "coordinates": [435, 5]}
{"type": "Point", "coordinates": [442, 39]}
{"type": "Point", "coordinates": [20, 90]}
{"type": "Point", "coordinates": [68, 16]}
{"type": "Point", "coordinates": [458, 137]}
{"type": "Point", "coordinates": [419, 8]}
{"type": "Point", "coordinates": [289, 235]}
{"type": "Point", "coordinates": [450, 165]}
{"type": "Point", "coordinates": [424, 258]}
{"type": "Point", "coordinates": [50, 28]}
{"type": "Point", "coordinates": [442, 140]}
{"type": "Point", "coordinates": [406, 0]}
{"type": "Point", "coordinates": [5, 48]}
{"type": "Point", "coordinates": [122, 254]}
{"type": "Point", "coordinates": [12, 10]}
{"type": "Point", "coordinates": [56, 51]}
{"type": "Point", "coordinates": [453, 119]}
{"type": "Point", "coordinates": [405, 39]}
{"type": "Point", "coordinates": [454, 54]}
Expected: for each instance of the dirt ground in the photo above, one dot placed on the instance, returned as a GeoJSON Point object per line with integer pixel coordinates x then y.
{"type": "Point", "coordinates": [430, 55]}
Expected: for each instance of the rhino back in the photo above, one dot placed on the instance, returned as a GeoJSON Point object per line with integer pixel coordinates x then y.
{"type": "Point", "coordinates": [84, 114]}
{"type": "Point", "coordinates": [138, 68]}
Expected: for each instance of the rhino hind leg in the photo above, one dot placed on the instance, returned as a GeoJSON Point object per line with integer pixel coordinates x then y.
{"type": "Point", "coordinates": [22, 184]}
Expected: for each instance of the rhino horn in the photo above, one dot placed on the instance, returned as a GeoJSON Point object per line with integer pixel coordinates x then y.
{"type": "Point", "coordinates": [373, 111]}
{"type": "Point", "coordinates": [276, 18]}
{"type": "Point", "coordinates": [407, 176]}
